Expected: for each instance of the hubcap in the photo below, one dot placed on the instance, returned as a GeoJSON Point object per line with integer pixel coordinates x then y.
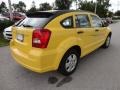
{"type": "Point", "coordinates": [108, 41]}
{"type": "Point", "coordinates": [71, 62]}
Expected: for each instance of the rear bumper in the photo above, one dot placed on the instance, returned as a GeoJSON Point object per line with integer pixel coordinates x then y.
{"type": "Point", "coordinates": [37, 63]}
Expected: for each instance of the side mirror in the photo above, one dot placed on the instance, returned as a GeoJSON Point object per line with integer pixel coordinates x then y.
{"type": "Point", "coordinates": [105, 24]}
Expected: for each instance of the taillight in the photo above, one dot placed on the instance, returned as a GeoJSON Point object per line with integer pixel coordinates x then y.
{"type": "Point", "coordinates": [40, 38]}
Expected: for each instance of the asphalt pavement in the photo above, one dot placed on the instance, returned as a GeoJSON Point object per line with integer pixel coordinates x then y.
{"type": "Point", "coordinates": [99, 70]}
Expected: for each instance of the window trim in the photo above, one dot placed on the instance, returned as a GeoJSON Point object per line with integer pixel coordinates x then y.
{"type": "Point", "coordinates": [61, 22]}
{"type": "Point", "coordinates": [88, 19]}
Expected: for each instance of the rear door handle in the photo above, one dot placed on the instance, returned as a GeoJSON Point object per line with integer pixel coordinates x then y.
{"type": "Point", "coordinates": [80, 32]}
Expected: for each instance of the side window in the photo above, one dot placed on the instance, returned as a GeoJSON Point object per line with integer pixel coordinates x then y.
{"type": "Point", "coordinates": [67, 22]}
{"type": "Point", "coordinates": [96, 22]}
{"type": "Point", "coordinates": [82, 21]}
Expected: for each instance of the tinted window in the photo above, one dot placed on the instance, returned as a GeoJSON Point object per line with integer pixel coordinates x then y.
{"type": "Point", "coordinates": [40, 14]}
{"type": "Point", "coordinates": [33, 22]}
{"type": "Point", "coordinates": [82, 21]}
{"type": "Point", "coordinates": [37, 19]}
{"type": "Point", "coordinates": [67, 22]}
{"type": "Point", "coordinates": [96, 22]}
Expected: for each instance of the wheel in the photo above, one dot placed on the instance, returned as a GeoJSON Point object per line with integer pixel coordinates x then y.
{"type": "Point", "coordinates": [69, 62]}
{"type": "Point", "coordinates": [107, 42]}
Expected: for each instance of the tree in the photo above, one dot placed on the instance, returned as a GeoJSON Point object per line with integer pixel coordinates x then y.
{"type": "Point", "coordinates": [110, 14]}
{"type": "Point", "coordinates": [3, 7]}
{"type": "Point", "coordinates": [63, 4]}
{"type": "Point", "coordinates": [45, 6]}
{"type": "Point", "coordinates": [33, 8]}
{"type": "Point", "coordinates": [87, 5]}
{"type": "Point", "coordinates": [15, 7]}
{"type": "Point", "coordinates": [20, 7]}
{"type": "Point", "coordinates": [102, 6]}
{"type": "Point", "coordinates": [117, 13]}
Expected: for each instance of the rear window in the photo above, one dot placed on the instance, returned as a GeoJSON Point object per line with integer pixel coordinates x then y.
{"type": "Point", "coordinates": [38, 19]}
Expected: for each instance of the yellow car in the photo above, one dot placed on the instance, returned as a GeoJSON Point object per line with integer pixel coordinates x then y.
{"type": "Point", "coordinates": [56, 40]}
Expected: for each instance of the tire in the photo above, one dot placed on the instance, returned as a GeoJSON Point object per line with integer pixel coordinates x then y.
{"type": "Point", "coordinates": [107, 42]}
{"type": "Point", "coordinates": [69, 62]}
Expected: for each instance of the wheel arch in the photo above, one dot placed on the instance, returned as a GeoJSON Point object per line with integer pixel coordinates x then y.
{"type": "Point", "coordinates": [76, 47]}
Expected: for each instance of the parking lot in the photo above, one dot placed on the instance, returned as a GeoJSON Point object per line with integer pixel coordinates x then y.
{"type": "Point", "coordinates": [99, 70]}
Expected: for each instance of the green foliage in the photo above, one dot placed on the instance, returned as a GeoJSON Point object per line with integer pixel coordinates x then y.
{"type": "Point", "coordinates": [87, 5]}
{"type": "Point", "coordinates": [117, 13]}
{"type": "Point", "coordinates": [110, 14]}
{"type": "Point", "coordinates": [116, 18]}
{"type": "Point", "coordinates": [3, 7]}
{"type": "Point", "coordinates": [102, 7]}
{"type": "Point", "coordinates": [4, 24]}
{"type": "Point", "coordinates": [45, 6]}
{"type": "Point", "coordinates": [3, 42]}
{"type": "Point", "coordinates": [20, 7]}
{"type": "Point", "coordinates": [33, 8]}
{"type": "Point", "coordinates": [63, 4]}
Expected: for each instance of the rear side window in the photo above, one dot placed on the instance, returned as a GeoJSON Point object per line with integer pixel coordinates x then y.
{"type": "Point", "coordinates": [96, 22]}
{"type": "Point", "coordinates": [67, 22]}
{"type": "Point", "coordinates": [38, 19]}
{"type": "Point", "coordinates": [82, 21]}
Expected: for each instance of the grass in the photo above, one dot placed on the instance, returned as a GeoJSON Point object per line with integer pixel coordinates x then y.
{"type": "Point", "coordinates": [3, 42]}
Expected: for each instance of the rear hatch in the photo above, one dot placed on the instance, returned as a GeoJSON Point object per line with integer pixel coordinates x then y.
{"type": "Point", "coordinates": [22, 33]}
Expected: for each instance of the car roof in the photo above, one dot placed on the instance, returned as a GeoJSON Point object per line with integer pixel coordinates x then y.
{"type": "Point", "coordinates": [56, 12]}
{"type": "Point", "coordinates": [67, 11]}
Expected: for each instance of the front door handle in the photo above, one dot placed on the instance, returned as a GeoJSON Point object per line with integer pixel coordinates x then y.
{"type": "Point", "coordinates": [80, 32]}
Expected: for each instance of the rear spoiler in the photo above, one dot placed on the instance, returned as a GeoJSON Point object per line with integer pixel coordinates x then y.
{"type": "Point", "coordinates": [40, 14]}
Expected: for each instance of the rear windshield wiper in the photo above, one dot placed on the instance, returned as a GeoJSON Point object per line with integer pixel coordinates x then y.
{"type": "Point", "coordinates": [27, 25]}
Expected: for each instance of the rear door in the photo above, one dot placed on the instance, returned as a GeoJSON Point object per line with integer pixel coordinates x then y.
{"type": "Point", "coordinates": [99, 30]}
{"type": "Point", "coordinates": [85, 33]}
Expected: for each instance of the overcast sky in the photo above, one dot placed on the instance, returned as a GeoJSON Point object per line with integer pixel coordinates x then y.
{"type": "Point", "coordinates": [37, 2]}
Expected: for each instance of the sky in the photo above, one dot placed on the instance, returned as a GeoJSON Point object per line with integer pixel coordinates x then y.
{"type": "Point", "coordinates": [28, 3]}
